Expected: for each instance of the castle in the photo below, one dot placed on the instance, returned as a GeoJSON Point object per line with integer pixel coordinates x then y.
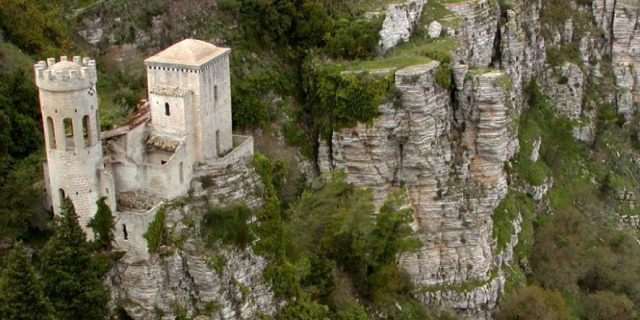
{"type": "Point", "coordinates": [184, 125]}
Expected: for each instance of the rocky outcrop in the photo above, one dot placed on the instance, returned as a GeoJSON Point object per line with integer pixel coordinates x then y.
{"type": "Point", "coordinates": [521, 49]}
{"type": "Point", "coordinates": [619, 19]}
{"type": "Point", "coordinates": [451, 162]}
{"type": "Point", "coordinates": [477, 34]}
{"type": "Point", "coordinates": [400, 21]}
{"type": "Point", "coordinates": [187, 276]}
{"type": "Point", "coordinates": [565, 86]}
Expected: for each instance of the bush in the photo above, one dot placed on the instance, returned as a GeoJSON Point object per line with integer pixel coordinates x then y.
{"type": "Point", "coordinates": [156, 234]}
{"type": "Point", "coordinates": [229, 225]}
{"type": "Point", "coordinates": [533, 303]}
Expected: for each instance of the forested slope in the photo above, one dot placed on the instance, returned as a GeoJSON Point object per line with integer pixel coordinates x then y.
{"type": "Point", "coordinates": [488, 170]}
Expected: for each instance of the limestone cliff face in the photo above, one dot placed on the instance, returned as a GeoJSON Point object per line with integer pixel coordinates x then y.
{"type": "Point", "coordinates": [400, 20]}
{"type": "Point", "coordinates": [451, 161]}
{"type": "Point", "coordinates": [619, 19]}
{"type": "Point", "coordinates": [477, 34]}
{"type": "Point", "coordinates": [185, 276]}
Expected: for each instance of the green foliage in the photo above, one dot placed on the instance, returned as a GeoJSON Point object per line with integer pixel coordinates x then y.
{"type": "Point", "coordinates": [334, 222]}
{"type": "Point", "coordinates": [506, 213]}
{"type": "Point", "coordinates": [603, 305]}
{"type": "Point", "coordinates": [21, 134]}
{"type": "Point", "coordinates": [20, 196]}
{"type": "Point", "coordinates": [70, 281]}
{"type": "Point", "coordinates": [533, 303]}
{"type": "Point", "coordinates": [566, 53]}
{"type": "Point", "coordinates": [354, 38]}
{"type": "Point", "coordinates": [103, 225]}
{"type": "Point", "coordinates": [21, 293]}
{"type": "Point", "coordinates": [156, 233]}
{"type": "Point", "coordinates": [575, 251]}
{"type": "Point", "coordinates": [229, 225]}
{"type": "Point", "coordinates": [273, 240]}
{"type": "Point", "coordinates": [37, 27]}
{"type": "Point", "coordinates": [303, 310]}
{"type": "Point", "coordinates": [444, 75]}
{"type": "Point", "coordinates": [337, 100]}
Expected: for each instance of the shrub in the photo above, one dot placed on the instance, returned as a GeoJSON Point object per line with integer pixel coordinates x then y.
{"type": "Point", "coordinates": [156, 234]}
{"type": "Point", "coordinates": [229, 225]}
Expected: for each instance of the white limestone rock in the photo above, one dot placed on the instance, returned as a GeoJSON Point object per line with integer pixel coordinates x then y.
{"type": "Point", "coordinates": [453, 183]}
{"type": "Point", "coordinates": [435, 29]}
{"type": "Point", "coordinates": [399, 23]}
{"type": "Point", "coordinates": [184, 276]}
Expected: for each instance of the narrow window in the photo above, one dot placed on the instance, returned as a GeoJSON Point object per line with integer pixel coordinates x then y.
{"type": "Point", "coordinates": [163, 162]}
{"type": "Point", "coordinates": [218, 143]}
{"type": "Point", "coordinates": [215, 93]}
{"type": "Point", "coordinates": [124, 231]}
{"type": "Point", "coordinates": [86, 130]}
{"type": "Point", "coordinates": [52, 133]}
{"type": "Point", "coordinates": [68, 132]}
{"type": "Point", "coordinates": [181, 173]}
{"type": "Point", "coordinates": [167, 109]}
{"type": "Point", "coordinates": [62, 195]}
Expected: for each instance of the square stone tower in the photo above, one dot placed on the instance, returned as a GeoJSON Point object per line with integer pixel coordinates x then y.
{"type": "Point", "coordinates": [190, 96]}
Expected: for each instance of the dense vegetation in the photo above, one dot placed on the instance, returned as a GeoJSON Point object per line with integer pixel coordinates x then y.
{"type": "Point", "coordinates": [69, 285]}
{"type": "Point", "coordinates": [293, 64]}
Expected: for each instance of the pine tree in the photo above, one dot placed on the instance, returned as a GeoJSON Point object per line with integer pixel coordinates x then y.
{"type": "Point", "coordinates": [70, 281]}
{"type": "Point", "coordinates": [103, 225]}
{"type": "Point", "coordinates": [21, 294]}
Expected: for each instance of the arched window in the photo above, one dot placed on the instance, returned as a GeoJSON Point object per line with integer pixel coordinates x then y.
{"type": "Point", "coordinates": [167, 109]}
{"type": "Point", "coordinates": [86, 130]}
{"type": "Point", "coordinates": [61, 194]}
{"type": "Point", "coordinates": [68, 132]}
{"type": "Point", "coordinates": [51, 132]}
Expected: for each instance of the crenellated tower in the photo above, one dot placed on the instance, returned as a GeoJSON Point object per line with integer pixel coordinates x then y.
{"type": "Point", "coordinates": [69, 105]}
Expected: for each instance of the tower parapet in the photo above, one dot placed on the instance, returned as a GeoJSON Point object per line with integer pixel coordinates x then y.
{"type": "Point", "coordinates": [66, 75]}
{"type": "Point", "coordinates": [69, 106]}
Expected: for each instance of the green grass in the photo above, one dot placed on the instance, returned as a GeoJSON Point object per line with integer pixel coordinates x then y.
{"type": "Point", "coordinates": [408, 54]}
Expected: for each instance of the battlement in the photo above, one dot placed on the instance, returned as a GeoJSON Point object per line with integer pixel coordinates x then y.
{"type": "Point", "coordinates": [66, 75]}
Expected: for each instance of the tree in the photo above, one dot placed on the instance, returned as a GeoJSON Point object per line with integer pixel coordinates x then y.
{"type": "Point", "coordinates": [70, 281]}
{"type": "Point", "coordinates": [103, 225]}
{"type": "Point", "coordinates": [535, 303]}
{"type": "Point", "coordinates": [21, 294]}
{"type": "Point", "coordinates": [608, 305]}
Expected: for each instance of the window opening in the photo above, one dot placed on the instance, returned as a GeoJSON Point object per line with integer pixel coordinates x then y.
{"type": "Point", "coordinates": [52, 133]}
{"type": "Point", "coordinates": [124, 231]}
{"type": "Point", "coordinates": [167, 109]}
{"type": "Point", "coordinates": [86, 130]}
{"type": "Point", "coordinates": [68, 132]}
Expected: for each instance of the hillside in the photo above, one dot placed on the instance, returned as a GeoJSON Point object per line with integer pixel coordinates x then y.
{"type": "Point", "coordinates": [471, 159]}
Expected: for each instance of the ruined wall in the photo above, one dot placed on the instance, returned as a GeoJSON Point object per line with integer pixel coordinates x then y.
{"type": "Point", "coordinates": [185, 274]}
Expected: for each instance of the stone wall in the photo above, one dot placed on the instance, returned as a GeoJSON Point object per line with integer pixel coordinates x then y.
{"type": "Point", "coordinates": [186, 274]}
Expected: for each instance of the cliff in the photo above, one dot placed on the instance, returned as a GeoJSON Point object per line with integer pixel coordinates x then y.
{"type": "Point", "coordinates": [448, 145]}
{"type": "Point", "coordinates": [187, 277]}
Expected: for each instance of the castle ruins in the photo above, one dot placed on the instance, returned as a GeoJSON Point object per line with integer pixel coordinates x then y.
{"type": "Point", "coordinates": [184, 125]}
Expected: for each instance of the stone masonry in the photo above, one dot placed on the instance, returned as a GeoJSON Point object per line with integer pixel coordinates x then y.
{"type": "Point", "coordinates": [185, 124]}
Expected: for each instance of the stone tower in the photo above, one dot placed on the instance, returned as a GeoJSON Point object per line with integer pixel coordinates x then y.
{"type": "Point", "coordinates": [69, 106]}
{"type": "Point", "coordinates": [190, 96]}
